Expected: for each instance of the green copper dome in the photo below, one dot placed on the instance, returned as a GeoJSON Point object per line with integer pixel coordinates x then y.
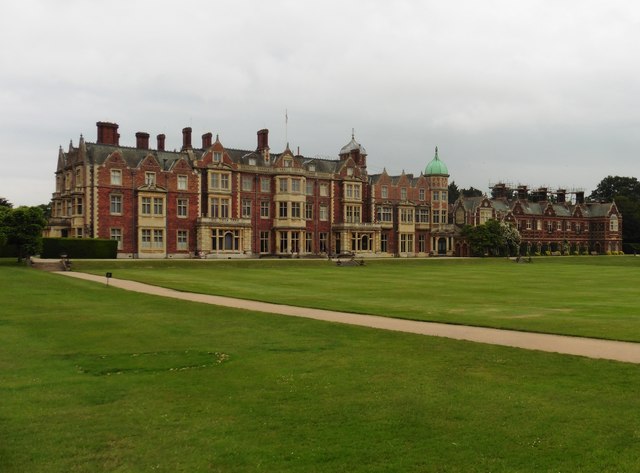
{"type": "Point", "coordinates": [436, 166]}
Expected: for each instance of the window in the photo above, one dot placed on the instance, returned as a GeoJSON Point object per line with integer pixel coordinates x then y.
{"type": "Point", "coordinates": [406, 243]}
{"type": "Point", "coordinates": [79, 177]}
{"type": "Point", "coordinates": [158, 206]}
{"type": "Point", "coordinates": [69, 205]}
{"type": "Point", "coordinates": [287, 163]}
{"type": "Point", "coordinates": [443, 216]}
{"type": "Point", "coordinates": [308, 211]}
{"type": "Point", "coordinates": [246, 208]}
{"type": "Point", "coordinates": [150, 178]}
{"type": "Point", "coordinates": [538, 224]}
{"type": "Point", "coordinates": [158, 239]}
{"type": "Point", "coordinates": [252, 161]}
{"type": "Point", "coordinates": [613, 223]}
{"type": "Point", "coordinates": [528, 224]}
{"type": "Point", "coordinates": [116, 177]}
{"type": "Point", "coordinates": [549, 226]}
{"type": "Point", "coordinates": [422, 243]}
{"type": "Point", "coordinates": [183, 205]}
{"type": "Point", "coordinates": [219, 207]}
{"type": "Point", "coordinates": [485, 215]}
{"type": "Point", "coordinates": [422, 215]}
{"type": "Point", "coordinates": [183, 240]}
{"type": "Point", "coordinates": [406, 215]}
{"type": "Point", "coordinates": [145, 208]}
{"type": "Point", "coordinates": [308, 242]}
{"type": "Point", "coordinates": [312, 168]}
{"type": "Point", "coordinates": [436, 216]}
{"type": "Point", "coordinates": [295, 210]}
{"type": "Point", "coordinates": [116, 204]}
{"type": "Point", "coordinates": [264, 209]}
{"type": "Point", "coordinates": [145, 238]}
{"type": "Point", "coordinates": [295, 242]}
{"type": "Point", "coordinates": [283, 184]}
{"type": "Point", "coordinates": [182, 183]}
{"type": "Point", "coordinates": [323, 241]}
{"type": "Point", "coordinates": [361, 241]}
{"type": "Point", "coordinates": [217, 156]}
{"type": "Point", "coordinates": [116, 234]}
{"type": "Point", "coordinates": [324, 190]}
{"type": "Point", "coordinates": [324, 212]}
{"type": "Point", "coordinates": [284, 242]}
{"type": "Point", "coordinates": [265, 184]}
{"type": "Point", "coordinates": [384, 243]}
{"type": "Point", "coordinates": [352, 214]}
{"type": "Point", "coordinates": [384, 192]}
{"type": "Point", "coordinates": [78, 205]}
{"type": "Point", "coordinates": [247, 183]}
{"type": "Point", "coordinates": [385, 214]}
{"type": "Point", "coordinates": [283, 209]}
{"type": "Point", "coordinates": [403, 193]}
{"type": "Point", "coordinates": [67, 181]}
{"type": "Point", "coordinates": [349, 171]}
{"type": "Point", "coordinates": [444, 195]}
{"type": "Point", "coordinates": [309, 188]}
{"type": "Point", "coordinates": [264, 242]}
{"type": "Point", "coordinates": [225, 240]}
{"type": "Point", "coordinates": [422, 194]}
{"type": "Point", "coordinates": [436, 195]}
{"type": "Point", "coordinates": [220, 181]}
{"type": "Point", "coordinates": [295, 186]}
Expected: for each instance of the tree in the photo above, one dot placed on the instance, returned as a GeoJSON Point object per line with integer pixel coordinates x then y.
{"type": "Point", "coordinates": [5, 203]}
{"type": "Point", "coordinates": [23, 227]}
{"type": "Point", "coordinates": [454, 192]}
{"type": "Point", "coordinates": [625, 191]}
{"type": "Point", "coordinates": [471, 192]}
{"type": "Point", "coordinates": [612, 187]}
{"type": "Point", "coordinates": [492, 239]}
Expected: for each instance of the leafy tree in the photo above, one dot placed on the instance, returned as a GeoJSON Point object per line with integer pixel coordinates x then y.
{"type": "Point", "coordinates": [23, 227]}
{"type": "Point", "coordinates": [5, 203]}
{"type": "Point", "coordinates": [612, 187]}
{"type": "Point", "coordinates": [492, 239]}
{"type": "Point", "coordinates": [453, 192]}
{"type": "Point", "coordinates": [471, 192]}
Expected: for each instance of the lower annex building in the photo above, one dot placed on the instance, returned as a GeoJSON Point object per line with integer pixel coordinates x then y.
{"type": "Point", "coordinates": [218, 202]}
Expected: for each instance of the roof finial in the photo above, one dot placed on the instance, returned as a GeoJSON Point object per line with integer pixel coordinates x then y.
{"type": "Point", "coordinates": [437, 153]}
{"type": "Point", "coordinates": [353, 133]}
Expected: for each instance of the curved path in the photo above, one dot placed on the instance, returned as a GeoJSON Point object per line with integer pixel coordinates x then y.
{"type": "Point", "coordinates": [587, 347]}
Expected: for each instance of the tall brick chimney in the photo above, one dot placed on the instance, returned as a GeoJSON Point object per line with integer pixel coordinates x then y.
{"type": "Point", "coordinates": [206, 140]}
{"type": "Point", "coordinates": [263, 139]}
{"type": "Point", "coordinates": [142, 140]}
{"type": "Point", "coordinates": [186, 138]}
{"type": "Point", "coordinates": [108, 133]}
{"type": "Point", "coordinates": [161, 142]}
{"type": "Point", "coordinates": [562, 195]}
{"type": "Point", "coordinates": [580, 197]}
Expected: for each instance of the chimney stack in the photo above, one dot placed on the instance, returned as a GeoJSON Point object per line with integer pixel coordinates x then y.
{"type": "Point", "coordinates": [142, 140]}
{"type": "Point", "coordinates": [522, 192]}
{"type": "Point", "coordinates": [206, 140]}
{"type": "Point", "coordinates": [561, 193]}
{"type": "Point", "coordinates": [186, 138]}
{"type": "Point", "coordinates": [161, 142]}
{"type": "Point", "coordinates": [108, 133]}
{"type": "Point", "coordinates": [580, 197]}
{"type": "Point", "coordinates": [263, 139]}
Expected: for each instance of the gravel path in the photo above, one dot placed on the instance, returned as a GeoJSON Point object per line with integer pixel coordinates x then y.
{"type": "Point", "coordinates": [587, 347]}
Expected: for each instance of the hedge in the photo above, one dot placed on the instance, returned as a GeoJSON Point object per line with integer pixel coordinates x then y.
{"type": "Point", "coordinates": [79, 248]}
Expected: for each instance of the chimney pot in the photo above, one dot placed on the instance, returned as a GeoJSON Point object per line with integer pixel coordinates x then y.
{"type": "Point", "coordinates": [108, 133]}
{"type": "Point", "coordinates": [161, 142]}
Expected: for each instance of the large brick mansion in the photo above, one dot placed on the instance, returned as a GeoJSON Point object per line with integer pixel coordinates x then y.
{"type": "Point", "coordinates": [217, 202]}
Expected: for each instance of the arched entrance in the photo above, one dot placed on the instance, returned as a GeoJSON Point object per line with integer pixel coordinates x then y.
{"type": "Point", "coordinates": [442, 246]}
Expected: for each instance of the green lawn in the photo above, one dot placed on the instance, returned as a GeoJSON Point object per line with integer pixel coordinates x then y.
{"type": "Point", "coordinates": [95, 379]}
{"type": "Point", "coordinates": [584, 296]}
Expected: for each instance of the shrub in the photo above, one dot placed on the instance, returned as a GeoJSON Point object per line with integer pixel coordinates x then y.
{"type": "Point", "coordinates": [79, 248]}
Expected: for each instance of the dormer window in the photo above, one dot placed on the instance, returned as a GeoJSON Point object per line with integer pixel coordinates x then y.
{"type": "Point", "coordinates": [349, 171]}
{"type": "Point", "coordinates": [403, 193]}
{"type": "Point", "coordinates": [252, 161]}
{"type": "Point", "coordinates": [288, 163]}
{"type": "Point", "coordinates": [384, 192]}
{"type": "Point", "coordinates": [150, 178]}
{"type": "Point", "coordinates": [312, 168]}
{"type": "Point", "coordinates": [217, 156]}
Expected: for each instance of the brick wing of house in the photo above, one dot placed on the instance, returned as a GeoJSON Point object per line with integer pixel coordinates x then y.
{"type": "Point", "coordinates": [549, 222]}
{"type": "Point", "coordinates": [217, 202]}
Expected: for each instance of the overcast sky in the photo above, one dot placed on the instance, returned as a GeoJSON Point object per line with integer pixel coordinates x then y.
{"type": "Point", "coordinates": [532, 92]}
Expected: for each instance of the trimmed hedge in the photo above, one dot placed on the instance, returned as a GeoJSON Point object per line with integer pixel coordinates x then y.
{"type": "Point", "coordinates": [79, 248]}
{"type": "Point", "coordinates": [631, 248]}
{"type": "Point", "coordinates": [8, 251]}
